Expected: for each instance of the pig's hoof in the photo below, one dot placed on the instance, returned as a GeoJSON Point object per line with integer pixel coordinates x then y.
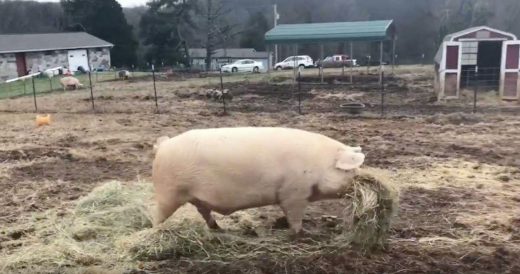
{"type": "Point", "coordinates": [214, 226]}
{"type": "Point", "coordinates": [281, 223]}
{"type": "Point", "coordinates": [295, 236]}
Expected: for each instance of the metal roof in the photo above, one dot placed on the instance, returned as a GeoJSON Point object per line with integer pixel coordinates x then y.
{"type": "Point", "coordinates": [12, 43]}
{"type": "Point", "coordinates": [331, 32]}
{"type": "Point", "coordinates": [241, 53]}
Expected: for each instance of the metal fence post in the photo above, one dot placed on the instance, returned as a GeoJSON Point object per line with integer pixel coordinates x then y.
{"type": "Point", "coordinates": [222, 92]}
{"type": "Point", "coordinates": [382, 94]}
{"type": "Point", "coordinates": [155, 88]}
{"type": "Point", "coordinates": [221, 81]}
{"type": "Point", "coordinates": [299, 93]}
{"type": "Point", "coordinates": [475, 91]}
{"type": "Point", "coordinates": [91, 90]}
{"type": "Point", "coordinates": [34, 94]}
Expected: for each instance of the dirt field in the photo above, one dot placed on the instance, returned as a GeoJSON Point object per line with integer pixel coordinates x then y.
{"type": "Point", "coordinates": [458, 173]}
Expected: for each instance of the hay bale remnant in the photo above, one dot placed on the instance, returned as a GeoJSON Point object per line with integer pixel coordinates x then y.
{"type": "Point", "coordinates": [374, 204]}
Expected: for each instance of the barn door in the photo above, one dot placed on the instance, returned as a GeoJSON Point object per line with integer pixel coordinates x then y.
{"type": "Point", "coordinates": [450, 70]}
{"type": "Point", "coordinates": [21, 66]}
{"type": "Point", "coordinates": [78, 58]}
{"type": "Point", "coordinates": [509, 74]}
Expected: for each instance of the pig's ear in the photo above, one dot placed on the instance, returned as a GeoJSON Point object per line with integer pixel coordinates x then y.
{"type": "Point", "coordinates": [351, 158]}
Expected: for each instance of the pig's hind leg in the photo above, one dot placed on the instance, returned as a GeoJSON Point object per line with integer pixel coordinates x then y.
{"type": "Point", "coordinates": [166, 206]}
{"type": "Point", "coordinates": [205, 211]}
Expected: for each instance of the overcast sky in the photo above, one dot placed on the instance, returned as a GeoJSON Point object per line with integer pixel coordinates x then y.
{"type": "Point", "coordinates": [124, 3]}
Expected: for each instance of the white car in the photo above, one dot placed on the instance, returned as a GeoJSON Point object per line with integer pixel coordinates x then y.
{"type": "Point", "coordinates": [244, 65]}
{"type": "Point", "coordinates": [302, 61]}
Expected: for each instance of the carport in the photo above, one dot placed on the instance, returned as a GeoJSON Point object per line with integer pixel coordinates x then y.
{"type": "Point", "coordinates": [334, 32]}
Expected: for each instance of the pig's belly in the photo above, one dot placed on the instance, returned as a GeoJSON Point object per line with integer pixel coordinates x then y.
{"type": "Point", "coordinates": [227, 194]}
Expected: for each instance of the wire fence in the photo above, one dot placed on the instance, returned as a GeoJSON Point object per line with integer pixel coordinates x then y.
{"type": "Point", "coordinates": [360, 95]}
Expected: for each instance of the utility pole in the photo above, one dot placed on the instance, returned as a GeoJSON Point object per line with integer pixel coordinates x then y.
{"type": "Point", "coordinates": [276, 18]}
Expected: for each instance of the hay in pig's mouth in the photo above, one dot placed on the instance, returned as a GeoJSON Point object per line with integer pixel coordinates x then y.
{"type": "Point", "coordinates": [374, 202]}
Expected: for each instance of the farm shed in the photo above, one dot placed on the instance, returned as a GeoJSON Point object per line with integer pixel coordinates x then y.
{"type": "Point", "coordinates": [221, 57]}
{"type": "Point", "coordinates": [478, 57]}
{"type": "Point", "coordinates": [320, 33]}
{"type": "Point", "coordinates": [24, 53]}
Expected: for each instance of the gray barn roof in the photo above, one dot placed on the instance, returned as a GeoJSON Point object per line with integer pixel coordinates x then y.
{"type": "Point", "coordinates": [239, 53]}
{"type": "Point", "coordinates": [12, 43]}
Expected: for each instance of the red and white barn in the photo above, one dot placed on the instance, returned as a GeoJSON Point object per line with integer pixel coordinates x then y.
{"type": "Point", "coordinates": [487, 56]}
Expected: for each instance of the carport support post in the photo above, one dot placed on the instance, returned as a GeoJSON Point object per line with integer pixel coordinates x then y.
{"type": "Point", "coordinates": [268, 61]}
{"type": "Point", "coordinates": [351, 62]}
{"type": "Point", "coordinates": [34, 94]}
{"type": "Point", "coordinates": [321, 59]}
{"type": "Point", "coordinates": [343, 64]}
{"type": "Point", "coordinates": [381, 62]}
{"type": "Point", "coordinates": [393, 55]}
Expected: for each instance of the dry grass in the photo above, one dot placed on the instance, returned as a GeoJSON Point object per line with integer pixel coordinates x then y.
{"type": "Point", "coordinates": [456, 118]}
{"type": "Point", "coordinates": [111, 228]}
{"type": "Point", "coordinates": [85, 237]}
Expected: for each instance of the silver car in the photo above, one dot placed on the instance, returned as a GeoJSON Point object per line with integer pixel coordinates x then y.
{"type": "Point", "coordinates": [244, 65]}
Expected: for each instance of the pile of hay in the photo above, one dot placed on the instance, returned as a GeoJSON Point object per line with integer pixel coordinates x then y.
{"type": "Point", "coordinates": [111, 228]}
{"type": "Point", "coordinates": [87, 236]}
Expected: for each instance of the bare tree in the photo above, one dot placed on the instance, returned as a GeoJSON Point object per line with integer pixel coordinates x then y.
{"type": "Point", "coordinates": [218, 31]}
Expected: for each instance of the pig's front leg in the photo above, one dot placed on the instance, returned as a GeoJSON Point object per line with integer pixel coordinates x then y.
{"type": "Point", "coordinates": [294, 210]}
{"type": "Point", "coordinates": [293, 201]}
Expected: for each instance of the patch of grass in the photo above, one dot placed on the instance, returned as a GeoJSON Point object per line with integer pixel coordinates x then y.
{"type": "Point", "coordinates": [44, 85]}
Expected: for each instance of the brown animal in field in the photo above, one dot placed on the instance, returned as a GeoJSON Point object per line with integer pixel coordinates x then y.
{"type": "Point", "coordinates": [70, 81]}
{"type": "Point", "coordinates": [43, 120]}
{"type": "Point", "coordinates": [230, 169]}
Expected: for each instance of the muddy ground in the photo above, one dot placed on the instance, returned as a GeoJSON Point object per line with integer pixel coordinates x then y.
{"type": "Point", "coordinates": [459, 173]}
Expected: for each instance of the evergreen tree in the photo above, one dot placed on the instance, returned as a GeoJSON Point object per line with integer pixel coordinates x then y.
{"type": "Point", "coordinates": [104, 19]}
{"type": "Point", "coordinates": [253, 36]}
{"type": "Point", "coordinates": [160, 28]}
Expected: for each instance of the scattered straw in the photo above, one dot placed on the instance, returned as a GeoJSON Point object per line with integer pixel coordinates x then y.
{"type": "Point", "coordinates": [110, 228]}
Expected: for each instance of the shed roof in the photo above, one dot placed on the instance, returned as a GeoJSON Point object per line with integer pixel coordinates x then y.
{"type": "Point", "coordinates": [12, 43]}
{"type": "Point", "coordinates": [331, 32]}
{"type": "Point", "coordinates": [241, 53]}
{"type": "Point", "coordinates": [453, 36]}
{"type": "Point", "coordinates": [460, 34]}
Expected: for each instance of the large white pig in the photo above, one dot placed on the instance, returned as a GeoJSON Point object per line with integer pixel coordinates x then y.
{"type": "Point", "coordinates": [230, 169]}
